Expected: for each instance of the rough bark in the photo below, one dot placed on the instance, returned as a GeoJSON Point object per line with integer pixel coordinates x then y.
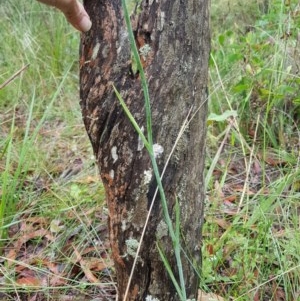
{"type": "Point", "coordinates": [177, 32]}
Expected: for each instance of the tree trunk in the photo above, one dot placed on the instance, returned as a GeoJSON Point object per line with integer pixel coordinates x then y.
{"type": "Point", "coordinates": [176, 35]}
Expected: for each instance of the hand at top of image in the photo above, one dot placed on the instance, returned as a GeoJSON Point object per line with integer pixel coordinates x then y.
{"type": "Point", "coordinates": [74, 12]}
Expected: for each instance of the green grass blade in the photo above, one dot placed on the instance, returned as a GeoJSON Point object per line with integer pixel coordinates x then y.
{"type": "Point", "coordinates": [177, 219]}
{"type": "Point", "coordinates": [132, 120]}
{"type": "Point", "coordinates": [141, 72]}
{"type": "Point", "coordinates": [170, 272]}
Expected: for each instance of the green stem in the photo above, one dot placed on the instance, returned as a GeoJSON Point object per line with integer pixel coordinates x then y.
{"type": "Point", "coordinates": [141, 72]}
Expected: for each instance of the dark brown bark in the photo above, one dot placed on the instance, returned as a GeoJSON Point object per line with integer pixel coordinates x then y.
{"type": "Point", "coordinates": [176, 67]}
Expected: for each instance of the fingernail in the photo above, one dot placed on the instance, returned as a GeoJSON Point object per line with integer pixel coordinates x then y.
{"type": "Point", "coordinates": [85, 24]}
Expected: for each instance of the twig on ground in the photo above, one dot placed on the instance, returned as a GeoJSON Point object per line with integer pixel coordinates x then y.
{"type": "Point", "coordinates": [14, 76]}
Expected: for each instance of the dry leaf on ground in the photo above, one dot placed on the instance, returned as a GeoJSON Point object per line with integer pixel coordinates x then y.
{"type": "Point", "coordinates": [202, 296]}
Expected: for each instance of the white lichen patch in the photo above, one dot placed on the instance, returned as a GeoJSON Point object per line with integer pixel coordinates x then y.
{"type": "Point", "coordinates": [123, 39]}
{"type": "Point", "coordinates": [162, 229]}
{"type": "Point", "coordinates": [147, 176]}
{"type": "Point", "coordinates": [95, 51]}
{"type": "Point", "coordinates": [126, 221]}
{"type": "Point", "coordinates": [114, 154]}
{"type": "Point", "coordinates": [123, 226]}
{"type": "Point", "coordinates": [105, 51]}
{"type": "Point", "coordinates": [161, 20]}
{"type": "Point", "coordinates": [145, 51]}
{"type": "Point", "coordinates": [132, 245]}
{"type": "Point", "coordinates": [140, 141]}
{"type": "Point", "coordinates": [150, 298]}
{"type": "Point", "coordinates": [112, 174]}
{"type": "Point", "coordinates": [158, 150]}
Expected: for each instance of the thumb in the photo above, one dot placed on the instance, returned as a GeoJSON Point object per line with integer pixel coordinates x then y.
{"type": "Point", "coordinates": [74, 12]}
{"type": "Point", "coordinates": [77, 16]}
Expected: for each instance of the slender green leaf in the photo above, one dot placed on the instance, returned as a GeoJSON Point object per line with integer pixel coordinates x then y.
{"type": "Point", "coordinates": [170, 272]}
